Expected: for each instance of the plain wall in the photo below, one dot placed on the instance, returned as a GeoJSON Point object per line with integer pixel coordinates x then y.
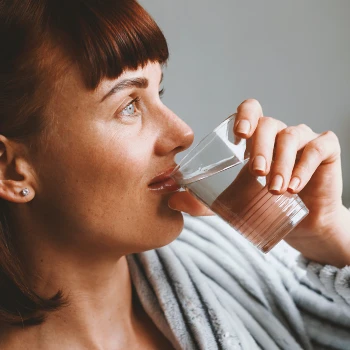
{"type": "Point", "coordinates": [293, 56]}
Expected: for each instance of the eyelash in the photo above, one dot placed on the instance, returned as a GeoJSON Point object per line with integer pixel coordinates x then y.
{"type": "Point", "coordinates": [137, 99]}
{"type": "Point", "coordinates": [161, 93]}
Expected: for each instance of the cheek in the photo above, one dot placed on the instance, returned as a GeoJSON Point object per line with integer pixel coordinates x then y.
{"type": "Point", "coordinates": [110, 171]}
{"type": "Point", "coordinates": [98, 176]}
{"type": "Point", "coordinates": [98, 189]}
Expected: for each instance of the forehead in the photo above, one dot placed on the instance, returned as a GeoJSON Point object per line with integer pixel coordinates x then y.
{"type": "Point", "coordinates": [72, 90]}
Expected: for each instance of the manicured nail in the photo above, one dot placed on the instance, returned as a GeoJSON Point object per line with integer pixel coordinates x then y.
{"type": "Point", "coordinates": [259, 163]}
{"type": "Point", "coordinates": [276, 183]}
{"type": "Point", "coordinates": [294, 184]}
{"type": "Point", "coordinates": [243, 127]}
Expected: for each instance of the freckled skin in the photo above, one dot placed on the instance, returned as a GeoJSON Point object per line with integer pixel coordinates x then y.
{"type": "Point", "coordinates": [92, 206]}
{"type": "Point", "coordinates": [96, 167]}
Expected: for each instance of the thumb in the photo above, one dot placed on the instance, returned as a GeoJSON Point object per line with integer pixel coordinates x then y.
{"type": "Point", "coordinates": [184, 201]}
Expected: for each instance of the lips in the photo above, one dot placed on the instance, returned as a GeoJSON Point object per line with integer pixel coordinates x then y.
{"type": "Point", "coordinates": [163, 183]}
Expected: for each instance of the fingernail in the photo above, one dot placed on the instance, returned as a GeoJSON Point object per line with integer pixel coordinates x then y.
{"type": "Point", "coordinates": [259, 163]}
{"type": "Point", "coordinates": [276, 183]}
{"type": "Point", "coordinates": [243, 127]}
{"type": "Point", "coordinates": [294, 184]}
{"type": "Point", "coordinates": [172, 207]}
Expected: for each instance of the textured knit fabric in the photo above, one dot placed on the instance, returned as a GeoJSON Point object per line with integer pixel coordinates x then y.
{"type": "Point", "coordinates": [211, 289]}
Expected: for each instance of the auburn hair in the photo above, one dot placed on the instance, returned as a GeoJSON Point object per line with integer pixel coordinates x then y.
{"type": "Point", "coordinates": [39, 39]}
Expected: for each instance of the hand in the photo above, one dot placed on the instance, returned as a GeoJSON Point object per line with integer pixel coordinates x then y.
{"type": "Point", "coordinates": [300, 161]}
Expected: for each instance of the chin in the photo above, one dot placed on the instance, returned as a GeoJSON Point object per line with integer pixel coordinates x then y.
{"type": "Point", "coordinates": [162, 230]}
{"type": "Point", "coordinates": [170, 227]}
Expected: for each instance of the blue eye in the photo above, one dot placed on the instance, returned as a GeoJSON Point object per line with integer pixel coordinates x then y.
{"type": "Point", "coordinates": [130, 110]}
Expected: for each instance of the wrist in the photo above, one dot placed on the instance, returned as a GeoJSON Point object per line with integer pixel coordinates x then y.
{"type": "Point", "coordinates": [334, 240]}
{"type": "Point", "coordinates": [327, 241]}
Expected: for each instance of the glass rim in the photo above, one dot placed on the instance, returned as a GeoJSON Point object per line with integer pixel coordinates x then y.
{"type": "Point", "coordinates": [194, 151]}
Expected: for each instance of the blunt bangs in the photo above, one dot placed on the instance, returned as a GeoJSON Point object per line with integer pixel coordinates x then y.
{"type": "Point", "coordinates": [106, 37]}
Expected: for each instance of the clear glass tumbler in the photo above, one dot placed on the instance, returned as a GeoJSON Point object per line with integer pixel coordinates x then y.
{"type": "Point", "coordinates": [216, 172]}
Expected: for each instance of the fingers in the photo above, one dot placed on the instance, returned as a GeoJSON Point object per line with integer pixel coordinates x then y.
{"type": "Point", "coordinates": [184, 201]}
{"type": "Point", "coordinates": [324, 149]}
{"type": "Point", "coordinates": [275, 148]}
{"type": "Point", "coordinates": [263, 143]}
{"type": "Point", "coordinates": [288, 142]}
{"type": "Point", "coordinates": [247, 118]}
{"type": "Point", "coordinates": [287, 156]}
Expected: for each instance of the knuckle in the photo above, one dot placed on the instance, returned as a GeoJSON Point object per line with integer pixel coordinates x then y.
{"type": "Point", "coordinates": [291, 131]}
{"type": "Point", "coordinates": [316, 148]}
{"type": "Point", "coordinates": [335, 142]}
{"type": "Point", "coordinates": [283, 125]}
{"type": "Point", "coordinates": [267, 120]}
{"type": "Point", "coordinates": [330, 134]}
{"type": "Point", "coordinates": [305, 127]}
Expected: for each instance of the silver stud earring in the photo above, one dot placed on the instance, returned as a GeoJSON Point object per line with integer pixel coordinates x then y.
{"type": "Point", "coordinates": [25, 192]}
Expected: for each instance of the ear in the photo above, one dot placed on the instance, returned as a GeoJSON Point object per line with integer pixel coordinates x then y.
{"type": "Point", "coordinates": [16, 174]}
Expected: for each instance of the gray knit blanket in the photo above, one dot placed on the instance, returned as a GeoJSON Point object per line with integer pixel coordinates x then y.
{"type": "Point", "coordinates": [211, 289]}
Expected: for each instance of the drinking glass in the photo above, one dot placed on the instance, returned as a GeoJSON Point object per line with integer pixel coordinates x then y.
{"type": "Point", "coordinates": [216, 172]}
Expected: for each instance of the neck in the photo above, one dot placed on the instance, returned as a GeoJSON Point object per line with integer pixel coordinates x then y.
{"type": "Point", "coordinates": [100, 311]}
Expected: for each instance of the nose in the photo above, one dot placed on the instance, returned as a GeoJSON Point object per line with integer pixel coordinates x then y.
{"type": "Point", "coordinates": [175, 136]}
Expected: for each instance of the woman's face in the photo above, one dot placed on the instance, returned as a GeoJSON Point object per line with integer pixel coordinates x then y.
{"type": "Point", "coordinates": [102, 152]}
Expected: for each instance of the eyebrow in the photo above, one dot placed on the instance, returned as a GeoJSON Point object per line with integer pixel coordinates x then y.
{"type": "Point", "coordinates": [139, 83]}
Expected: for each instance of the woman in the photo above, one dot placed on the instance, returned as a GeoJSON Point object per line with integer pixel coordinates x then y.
{"type": "Point", "coordinates": [83, 136]}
